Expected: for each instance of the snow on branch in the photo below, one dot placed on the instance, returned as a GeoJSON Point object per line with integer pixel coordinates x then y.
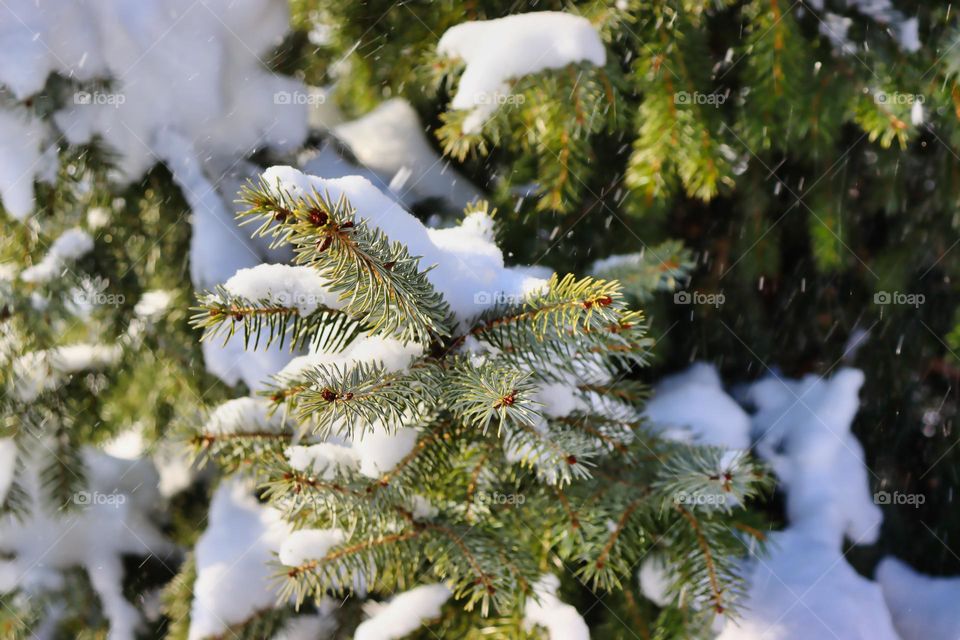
{"type": "Point", "coordinates": [71, 245]}
{"type": "Point", "coordinates": [496, 51]}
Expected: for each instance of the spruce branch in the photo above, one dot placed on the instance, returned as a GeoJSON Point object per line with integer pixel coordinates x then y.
{"type": "Point", "coordinates": [344, 400]}
{"type": "Point", "coordinates": [704, 554]}
{"type": "Point", "coordinates": [483, 394]}
{"type": "Point", "coordinates": [611, 551]}
{"type": "Point", "coordinates": [239, 451]}
{"type": "Point", "coordinates": [221, 312]}
{"type": "Point", "coordinates": [716, 592]}
{"type": "Point", "coordinates": [64, 475]}
{"type": "Point", "coordinates": [710, 479]}
{"type": "Point", "coordinates": [177, 598]}
{"type": "Point", "coordinates": [344, 498]}
{"type": "Point", "coordinates": [478, 567]}
{"type": "Point", "coordinates": [377, 560]}
{"type": "Point", "coordinates": [587, 355]}
{"type": "Point", "coordinates": [19, 616]}
{"type": "Point", "coordinates": [379, 282]}
{"type": "Point", "coordinates": [565, 306]}
{"type": "Point", "coordinates": [17, 501]}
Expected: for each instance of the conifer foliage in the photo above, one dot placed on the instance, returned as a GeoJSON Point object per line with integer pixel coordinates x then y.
{"type": "Point", "coordinates": [241, 400]}
{"type": "Point", "coordinates": [518, 442]}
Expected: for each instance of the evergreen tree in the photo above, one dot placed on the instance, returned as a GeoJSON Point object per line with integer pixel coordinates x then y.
{"type": "Point", "coordinates": [516, 443]}
{"type": "Point", "coordinates": [445, 445]}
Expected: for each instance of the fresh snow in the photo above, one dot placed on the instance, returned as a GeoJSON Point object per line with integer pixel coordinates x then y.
{"type": "Point", "coordinates": [113, 517]}
{"type": "Point", "coordinates": [308, 544]}
{"type": "Point", "coordinates": [8, 460]}
{"type": "Point", "coordinates": [403, 614]}
{"type": "Point", "coordinates": [323, 460]}
{"type": "Point", "coordinates": [422, 509]}
{"type": "Point", "coordinates": [905, 30]}
{"type": "Point", "coordinates": [655, 579]}
{"type": "Point", "coordinates": [234, 577]}
{"type": "Point", "coordinates": [923, 607]}
{"type": "Point", "coordinates": [152, 304]}
{"type": "Point", "coordinates": [224, 100]}
{"type": "Point", "coordinates": [496, 51]}
{"type": "Point", "coordinates": [392, 354]}
{"type": "Point", "coordinates": [692, 406]}
{"type": "Point", "coordinates": [218, 249]}
{"type": "Point", "coordinates": [561, 620]}
{"type": "Point", "coordinates": [39, 371]}
{"type": "Point", "coordinates": [380, 450]}
{"type": "Point", "coordinates": [243, 415]}
{"type": "Point", "coordinates": [24, 156]}
{"type": "Point", "coordinates": [804, 588]}
{"type": "Point", "coordinates": [299, 288]}
{"type": "Point", "coordinates": [312, 627]}
{"type": "Point", "coordinates": [197, 118]}
{"type": "Point", "coordinates": [803, 431]}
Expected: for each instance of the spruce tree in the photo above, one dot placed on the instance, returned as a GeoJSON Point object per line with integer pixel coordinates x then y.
{"type": "Point", "coordinates": [448, 446]}
{"type": "Point", "coordinates": [523, 444]}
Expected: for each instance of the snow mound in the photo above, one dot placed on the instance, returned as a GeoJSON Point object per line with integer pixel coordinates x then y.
{"type": "Point", "coordinates": [308, 544]}
{"type": "Point", "coordinates": [301, 288]}
{"type": "Point", "coordinates": [322, 460]}
{"type": "Point", "coordinates": [804, 587]}
{"type": "Point", "coordinates": [243, 415]}
{"type": "Point", "coordinates": [562, 621]}
{"type": "Point", "coordinates": [403, 614]}
{"type": "Point", "coordinates": [379, 450]}
{"type": "Point", "coordinates": [234, 578]}
{"type": "Point", "coordinates": [923, 607]}
{"type": "Point", "coordinates": [71, 245]}
{"type": "Point", "coordinates": [803, 431]}
{"type": "Point", "coordinates": [312, 627]}
{"type": "Point", "coordinates": [692, 406]}
{"type": "Point", "coordinates": [392, 354]}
